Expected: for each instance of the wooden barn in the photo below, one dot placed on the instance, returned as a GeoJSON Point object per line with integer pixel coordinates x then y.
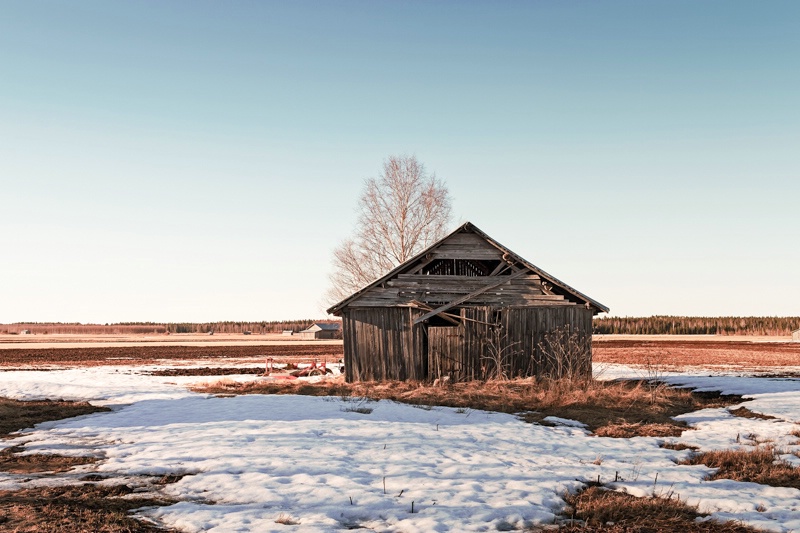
{"type": "Point", "coordinates": [796, 335]}
{"type": "Point", "coordinates": [466, 308]}
{"type": "Point", "coordinates": [321, 330]}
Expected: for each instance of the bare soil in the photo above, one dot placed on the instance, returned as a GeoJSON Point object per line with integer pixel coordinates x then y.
{"type": "Point", "coordinates": [774, 357]}
{"type": "Point", "coordinates": [16, 415]}
{"type": "Point", "coordinates": [148, 355]}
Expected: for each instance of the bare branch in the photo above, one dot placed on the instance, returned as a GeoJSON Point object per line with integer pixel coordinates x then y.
{"type": "Point", "coordinates": [401, 212]}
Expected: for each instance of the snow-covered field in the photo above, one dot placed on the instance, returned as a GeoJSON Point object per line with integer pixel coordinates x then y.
{"type": "Point", "coordinates": [327, 464]}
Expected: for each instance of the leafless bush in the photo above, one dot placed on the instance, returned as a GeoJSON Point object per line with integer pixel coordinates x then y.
{"type": "Point", "coordinates": [566, 355]}
{"type": "Point", "coordinates": [655, 366]}
{"type": "Point", "coordinates": [496, 363]}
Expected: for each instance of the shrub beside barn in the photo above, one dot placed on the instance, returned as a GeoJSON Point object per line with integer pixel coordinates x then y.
{"type": "Point", "coordinates": [466, 308]}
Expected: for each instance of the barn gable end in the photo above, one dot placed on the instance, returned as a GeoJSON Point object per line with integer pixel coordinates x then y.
{"type": "Point", "coordinates": [466, 307]}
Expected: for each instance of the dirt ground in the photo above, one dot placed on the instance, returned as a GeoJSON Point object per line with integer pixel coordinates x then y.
{"type": "Point", "coordinates": [145, 354]}
{"type": "Point", "coordinates": [710, 353]}
{"type": "Point", "coordinates": [178, 339]}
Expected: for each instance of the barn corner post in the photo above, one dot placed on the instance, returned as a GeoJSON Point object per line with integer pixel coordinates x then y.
{"type": "Point", "coordinates": [465, 308]}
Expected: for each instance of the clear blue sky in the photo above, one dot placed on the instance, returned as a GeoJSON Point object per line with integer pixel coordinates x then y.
{"type": "Point", "coordinates": [194, 161]}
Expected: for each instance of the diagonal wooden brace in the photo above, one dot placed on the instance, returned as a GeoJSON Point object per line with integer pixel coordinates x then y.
{"type": "Point", "coordinates": [463, 299]}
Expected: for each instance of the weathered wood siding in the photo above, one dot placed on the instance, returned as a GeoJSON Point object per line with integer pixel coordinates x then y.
{"type": "Point", "coordinates": [532, 341]}
{"type": "Point", "coordinates": [530, 332]}
{"type": "Point", "coordinates": [383, 344]}
{"type": "Point", "coordinates": [466, 246]}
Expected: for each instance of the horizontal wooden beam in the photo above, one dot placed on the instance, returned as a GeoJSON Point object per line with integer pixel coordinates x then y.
{"type": "Point", "coordinates": [463, 299]}
{"type": "Point", "coordinates": [420, 305]}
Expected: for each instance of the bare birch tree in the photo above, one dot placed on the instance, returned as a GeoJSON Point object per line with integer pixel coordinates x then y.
{"type": "Point", "coordinates": [401, 212]}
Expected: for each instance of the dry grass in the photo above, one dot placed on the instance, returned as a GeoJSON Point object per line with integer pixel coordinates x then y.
{"type": "Point", "coordinates": [597, 509]}
{"type": "Point", "coordinates": [74, 508]}
{"type": "Point", "coordinates": [759, 465]}
{"type": "Point", "coordinates": [286, 520]}
{"type": "Point", "coordinates": [744, 412]}
{"type": "Point", "coordinates": [16, 415]}
{"type": "Point", "coordinates": [626, 430]}
{"type": "Point", "coordinates": [11, 461]}
{"type": "Point", "coordinates": [612, 409]}
{"type": "Point", "coordinates": [678, 446]}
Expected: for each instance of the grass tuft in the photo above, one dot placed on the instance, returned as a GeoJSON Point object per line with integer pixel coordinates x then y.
{"type": "Point", "coordinates": [744, 412]}
{"type": "Point", "coordinates": [286, 520]}
{"type": "Point", "coordinates": [678, 446]}
{"type": "Point", "coordinates": [760, 465]}
{"type": "Point", "coordinates": [597, 509]}
{"type": "Point", "coordinates": [12, 461]}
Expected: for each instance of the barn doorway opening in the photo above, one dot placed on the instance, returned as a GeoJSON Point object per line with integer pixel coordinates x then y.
{"type": "Point", "coordinates": [445, 352]}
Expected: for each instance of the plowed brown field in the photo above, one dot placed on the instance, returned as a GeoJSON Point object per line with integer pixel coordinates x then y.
{"type": "Point", "coordinates": [145, 355]}
{"type": "Point", "coordinates": [742, 355]}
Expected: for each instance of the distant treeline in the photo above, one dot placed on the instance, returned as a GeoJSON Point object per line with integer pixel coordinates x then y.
{"type": "Point", "coordinates": [653, 325]}
{"type": "Point", "coordinates": [44, 328]}
{"type": "Point", "coordinates": [130, 328]}
{"type": "Point", "coordinates": [257, 328]}
{"type": "Point", "coordinates": [697, 325]}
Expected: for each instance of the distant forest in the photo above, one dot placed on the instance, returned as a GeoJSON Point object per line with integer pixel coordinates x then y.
{"type": "Point", "coordinates": [653, 325]}
{"type": "Point", "coordinates": [131, 328]}
{"type": "Point", "coordinates": [697, 325]}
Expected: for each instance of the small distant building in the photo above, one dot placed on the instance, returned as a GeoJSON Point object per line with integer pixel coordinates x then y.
{"type": "Point", "coordinates": [25, 332]}
{"type": "Point", "coordinates": [322, 330]}
{"type": "Point", "coordinates": [287, 332]}
{"type": "Point", "coordinates": [796, 335]}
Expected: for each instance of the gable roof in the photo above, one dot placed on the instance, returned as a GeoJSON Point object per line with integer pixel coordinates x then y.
{"type": "Point", "coordinates": [468, 227]}
{"type": "Point", "coordinates": [323, 326]}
